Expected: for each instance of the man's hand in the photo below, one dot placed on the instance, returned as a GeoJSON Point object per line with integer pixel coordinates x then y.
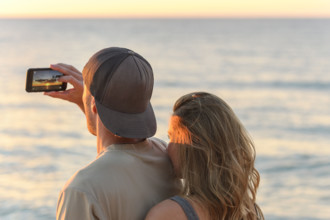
{"type": "Point", "coordinates": [74, 77]}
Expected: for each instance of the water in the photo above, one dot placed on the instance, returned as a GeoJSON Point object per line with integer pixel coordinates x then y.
{"type": "Point", "coordinates": [274, 73]}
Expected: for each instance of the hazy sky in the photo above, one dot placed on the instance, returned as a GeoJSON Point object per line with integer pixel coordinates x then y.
{"type": "Point", "coordinates": [164, 8]}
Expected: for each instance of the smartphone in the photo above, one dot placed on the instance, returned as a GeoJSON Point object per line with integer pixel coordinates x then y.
{"type": "Point", "coordinates": [43, 80]}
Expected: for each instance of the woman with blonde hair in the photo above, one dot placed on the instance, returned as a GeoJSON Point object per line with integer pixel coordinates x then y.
{"type": "Point", "coordinates": [213, 154]}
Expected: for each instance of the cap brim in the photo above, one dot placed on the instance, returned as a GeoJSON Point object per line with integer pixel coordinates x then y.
{"type": "Point", "coordinates": [141, 125]}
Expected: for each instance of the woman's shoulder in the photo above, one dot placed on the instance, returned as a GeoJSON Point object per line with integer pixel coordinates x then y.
{"type": "Point", "coordinates": [167, 209]}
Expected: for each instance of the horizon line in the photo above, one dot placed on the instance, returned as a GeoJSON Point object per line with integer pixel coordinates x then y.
{"type": "Point", "coordinates": [165, 17]}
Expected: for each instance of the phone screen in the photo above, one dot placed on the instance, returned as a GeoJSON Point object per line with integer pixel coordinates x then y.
{"type": "Point", "coordinates": [44, 79]}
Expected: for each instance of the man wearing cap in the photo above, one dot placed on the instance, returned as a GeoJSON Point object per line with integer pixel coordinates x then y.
{"type": "Point", "coordinates": [131, 172]}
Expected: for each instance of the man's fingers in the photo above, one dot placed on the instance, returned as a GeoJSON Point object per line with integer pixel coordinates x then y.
{"type": "Point", "coordinates": [70, 79]}
{"type": "Point", "coordinates": [71, 95]}
{"type": "Point", "coordinates": [60, 95]}
{"type": "Point", "coordinates": [67, 70]}
{"type": "Point", "coordinates": [70, 67]}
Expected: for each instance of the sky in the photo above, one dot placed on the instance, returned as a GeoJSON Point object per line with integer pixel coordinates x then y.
{"type": "Point", "coordinates": [163, 8]}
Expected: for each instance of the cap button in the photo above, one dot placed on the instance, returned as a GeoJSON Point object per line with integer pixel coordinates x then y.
{"type": "Point", "coordinates": [130, 52]}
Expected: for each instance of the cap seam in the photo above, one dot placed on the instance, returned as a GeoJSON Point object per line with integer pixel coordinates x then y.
{"type": "Point", "coordinates": [137, 66]}
{"type": "Point", "coordinates": [108, 81]}
{"type": "Point", "coordinates": [145, 70]}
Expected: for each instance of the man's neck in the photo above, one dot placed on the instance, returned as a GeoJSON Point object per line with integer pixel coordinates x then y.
{"type": "Point", "coordinates": [105, 138]}
{"type": "Point", "coordinates": [103, 143]}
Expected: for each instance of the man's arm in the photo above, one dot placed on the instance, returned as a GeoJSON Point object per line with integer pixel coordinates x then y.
{"type": "Point", "coordinates": [74, 77]}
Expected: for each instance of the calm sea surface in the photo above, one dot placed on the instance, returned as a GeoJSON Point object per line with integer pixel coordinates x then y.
{"type": "Point", "coordinates": [274, 73]}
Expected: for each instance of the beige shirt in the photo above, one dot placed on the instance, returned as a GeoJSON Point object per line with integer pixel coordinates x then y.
{"type": "Point", "coordinates": [123, 182]}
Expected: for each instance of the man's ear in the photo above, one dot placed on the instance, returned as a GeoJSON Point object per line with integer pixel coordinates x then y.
{"type": "Point", "coordinates": [93, 105]}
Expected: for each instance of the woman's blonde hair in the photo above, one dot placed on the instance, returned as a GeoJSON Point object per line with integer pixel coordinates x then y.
{"type": "Point", "coordinates": [216, 157]}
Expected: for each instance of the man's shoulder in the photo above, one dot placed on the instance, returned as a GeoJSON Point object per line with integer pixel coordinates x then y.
{"type": "Point", "coordinates": [114, 162]}
{"type": "Point", "coordinates": [78, 180]}
{"type": "Point", "coordinates": [157, 140]}
{"type": "Point", "coordinates": [84, 178]}
{"type": "Point", "coordinates": [158, 143]}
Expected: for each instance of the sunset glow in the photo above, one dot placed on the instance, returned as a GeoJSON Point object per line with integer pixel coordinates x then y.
{"type": "Point", "coordinates": [162, 8]}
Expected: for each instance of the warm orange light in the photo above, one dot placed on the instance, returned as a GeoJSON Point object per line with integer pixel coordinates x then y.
{"type": "Point", "coordinates": [177, 132]}
{"type": "Point", "coordinates": [165, 8]}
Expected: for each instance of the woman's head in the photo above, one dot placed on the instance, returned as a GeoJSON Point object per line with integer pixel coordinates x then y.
{"type": "Point", "coordinates": [213, 153]}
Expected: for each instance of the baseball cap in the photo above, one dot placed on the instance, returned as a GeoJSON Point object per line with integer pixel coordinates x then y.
{"type": "Point", "coordinates": [121, 81]}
